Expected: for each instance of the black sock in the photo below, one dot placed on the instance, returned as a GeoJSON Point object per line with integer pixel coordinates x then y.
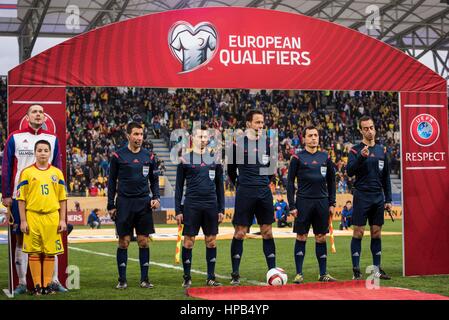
{"type": "Point", "coordinates": [356, 251]}
{"type": "Point", "coordinates": [144, 259]}
{"type": "Point", "coordinates": [211, 256]}
{"type": "Point", "coordinates": [321, 255]}
{"type": "Point", "coordinates": [376, 250]}
{"type": "Point", "coordinates": [236, 254]}
{"type": "Point", "coordinates": [300, 252]}
{"type": "Point", "coordinates": [269, 249]}
{"type": "Point", "coordinates": [186, 260]}
{"type": "Point", "coordinates": [122, 260]}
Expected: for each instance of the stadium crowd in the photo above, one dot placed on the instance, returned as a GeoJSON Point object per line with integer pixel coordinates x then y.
{"type": "Point", "coordinates": [96, 119]}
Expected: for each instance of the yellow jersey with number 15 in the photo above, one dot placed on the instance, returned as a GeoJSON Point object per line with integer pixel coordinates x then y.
{"type": "Point", "coordinates": [41, 189]}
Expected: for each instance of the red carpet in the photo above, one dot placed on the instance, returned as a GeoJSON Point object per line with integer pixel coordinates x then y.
{"type": "Point", "coordinates": [343, 290]}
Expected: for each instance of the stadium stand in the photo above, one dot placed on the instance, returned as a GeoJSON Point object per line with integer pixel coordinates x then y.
{"type": "Point", "coordinates": [96, 118]}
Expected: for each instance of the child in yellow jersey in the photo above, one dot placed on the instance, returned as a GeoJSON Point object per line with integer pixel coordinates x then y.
{"type": "Point", "coordinates": [42, 205]}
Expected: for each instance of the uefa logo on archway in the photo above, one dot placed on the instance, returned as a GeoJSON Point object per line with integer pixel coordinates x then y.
{"type": "Point", "coordinates": [48, 125]}
{"type": "Point", "coordinates": [193, 46]}
{"type": "Point", "coordinates": [425, 130]}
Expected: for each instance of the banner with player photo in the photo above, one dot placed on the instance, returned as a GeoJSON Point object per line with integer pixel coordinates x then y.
{"type": "Point", "coordinates": [53, 100]}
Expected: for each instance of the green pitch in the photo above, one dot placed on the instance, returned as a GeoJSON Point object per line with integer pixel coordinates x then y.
{"type": "Point", "coordinates": [98, 271]}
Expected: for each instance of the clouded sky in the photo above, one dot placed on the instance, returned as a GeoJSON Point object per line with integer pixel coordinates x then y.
{"type": "Point", "coordinates": [9, 51]}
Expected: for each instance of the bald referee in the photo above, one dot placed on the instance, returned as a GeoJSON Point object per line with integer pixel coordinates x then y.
{"type": "Point", "coordinates": [368, 162]}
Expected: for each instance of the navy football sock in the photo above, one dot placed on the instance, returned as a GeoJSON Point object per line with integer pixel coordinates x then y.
{"type": "Point", "coordinates": [321, 255]}
{"type": "Point", "coordinates": [211, 256]}
{"type": "Point", "coordinates": [300, 252]}
{"type": "Point", "coordinates": [236, 254]}
{"type": "Point", "coordinates": [122, 260]}
{"type": "Point", "coordinates": [144, 260]}
{"type": "Point", "coordinates": [269, 249]}
{"type": "Point", "coordinates": [376, 250]}
{"type": "Point", "coordinates": [356, 251]}
{"type": "Point", "coordinates": [186, 260]}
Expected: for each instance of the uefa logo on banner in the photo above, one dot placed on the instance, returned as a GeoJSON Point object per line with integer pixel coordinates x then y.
{"type": "Point", "coordinates": [48, 124]}
{"type": "Point", "coordinates": [193, 46]}
{"type": "Point", "coordinates": [425, 130]}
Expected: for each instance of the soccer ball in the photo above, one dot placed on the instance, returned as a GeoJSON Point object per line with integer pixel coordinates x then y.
{"type": "Point", "coordinates": [276, 277]}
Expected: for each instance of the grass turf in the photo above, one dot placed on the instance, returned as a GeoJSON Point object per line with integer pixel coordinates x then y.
{"type": "Point", "coordinates": [98, 274]}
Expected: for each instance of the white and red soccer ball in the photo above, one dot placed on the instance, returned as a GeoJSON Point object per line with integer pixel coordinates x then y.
{"type": "Point", "coordinates": [276, 277]}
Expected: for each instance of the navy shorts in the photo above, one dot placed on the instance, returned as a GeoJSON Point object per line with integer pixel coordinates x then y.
{"type": "Point", "coordinates": [368, 206]}
{"type": "Point", "coordinates": [198, 216]}
{"type": "Point", "coordinates": [313, 212]}
{"type": "Point", "coordinates": [253, 201]}
{"type": "Point", "coordinates": [16, 215]}
{"type": "Point", "coordinates": [134, 213]}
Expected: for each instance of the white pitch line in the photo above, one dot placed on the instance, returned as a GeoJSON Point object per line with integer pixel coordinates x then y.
{"type": "Point", "coordinates": [8, 294]}
{"type": "Point", "coordinates": [164, 265]}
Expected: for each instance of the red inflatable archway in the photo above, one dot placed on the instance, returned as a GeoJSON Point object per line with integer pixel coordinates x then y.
{"type": "Point", "coordinates": [264, 49]}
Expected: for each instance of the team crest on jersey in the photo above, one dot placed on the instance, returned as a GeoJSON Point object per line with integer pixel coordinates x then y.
{"type": "Point", "coordinates": [54, 178]}
{"type": "Point", "coordinates": [265, 159]}
{"type": "Point", "coordinates": [425, 130]}
{"type": "Point", "coordinates": [145, 170]}
{"type": "Point", "coordinates": [212, 174]}
{"type": "Point", "coordinates": [381, 165]}
{"type": "Point", "coordinates": [323, 171]}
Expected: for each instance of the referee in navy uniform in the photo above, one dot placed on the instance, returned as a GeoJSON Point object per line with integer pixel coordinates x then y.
{"type": "Point", "coordinates": [315, 201]}
{"type": "Point", "coordinates": [368, 162]}
{"type": "Point", "coordinates": [203, 205]}
{"type": "Point", "coordinates": [250, 173]}
{"type": "Point", "coordinates": [132, 167]}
